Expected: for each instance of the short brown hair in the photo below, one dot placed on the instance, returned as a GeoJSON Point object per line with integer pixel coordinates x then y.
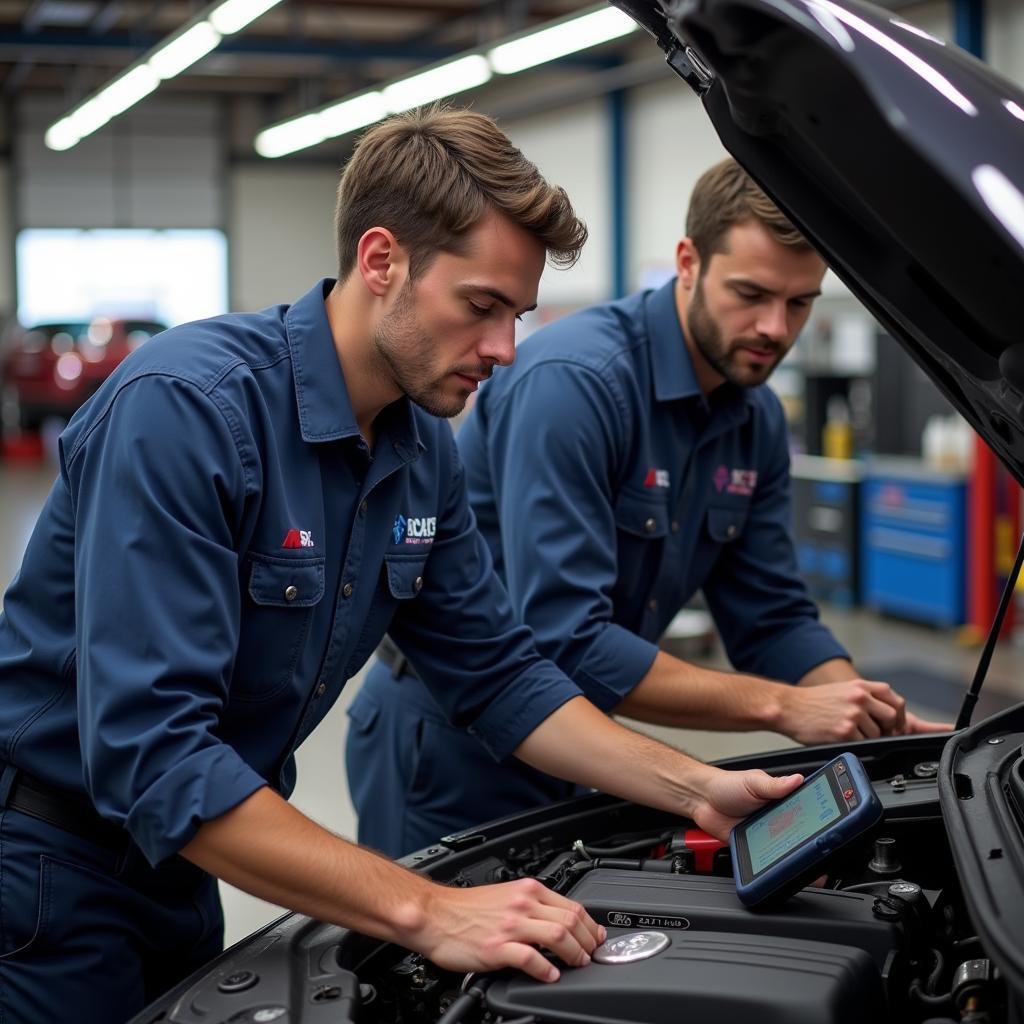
{"type": "Point", "coordinates": [725, 195]}
{"type": "Point", "coordinates": [429, 175]}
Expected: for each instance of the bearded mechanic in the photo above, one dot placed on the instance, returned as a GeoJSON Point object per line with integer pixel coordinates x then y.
{"type": "Point", "coordinates": [218, 556]}
{"type": "Point", "coordinates": [629, 458]}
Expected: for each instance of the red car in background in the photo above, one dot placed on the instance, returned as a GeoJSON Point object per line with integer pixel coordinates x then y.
{"type": "Point", "coordinates": [47, 371]}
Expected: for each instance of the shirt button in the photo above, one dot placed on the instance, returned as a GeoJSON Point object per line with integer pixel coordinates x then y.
{"type": "Point", "coordinates": [650, 525]}
{"type": "Point", "coordinates": [290, 593]}
{"type": "Point", "coordinates": [675, 525]}
{"type": "Point", "coordinates": [653, 604]}
{"type": "Point", "coordinates": [346, 591]}
{"type": "Point", "coordinates": [418, 584]}
{"type": "Point", "coordinates": [321, 689]}
{"type": "Point", "coordinates": [730, 530]}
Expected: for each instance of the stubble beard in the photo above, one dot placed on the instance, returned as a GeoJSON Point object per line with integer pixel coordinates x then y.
{"type": "Point", "coordinates": [706, 336]}
{"type": "Point", "coordinates": [404, 354]}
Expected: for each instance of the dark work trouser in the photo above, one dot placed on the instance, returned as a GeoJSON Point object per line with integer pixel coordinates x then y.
{"type": "Point", "coordinates": [413, 777]}
{"type": "Point", "coordinates": [93, 934]}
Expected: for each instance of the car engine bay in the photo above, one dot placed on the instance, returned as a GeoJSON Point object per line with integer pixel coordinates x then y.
{"type": "Point", "coordinates": [886, 937]}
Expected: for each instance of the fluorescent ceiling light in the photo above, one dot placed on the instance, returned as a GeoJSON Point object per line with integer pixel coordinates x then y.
{"type": "Point", "coordinates": [290, 136]}
{"type": "Point", "coordinates": [125, 92]}
{"type": "Point", "coordinates": [62, 135]}
{"type": "Point", "coordinates": [350, 115]}
{"type": "Point", "coordinates": [437, 83]}
{"type": "Point", "coordinates": [560, 40]}
{"type": "Point", "coordinates": [236, 14]}
{"type": "Point", "coordinates": [171, 58]}
{"type": "Point", "coordinates": [184, 50]}
{"type": "Point", "coordinates": [465, 72]}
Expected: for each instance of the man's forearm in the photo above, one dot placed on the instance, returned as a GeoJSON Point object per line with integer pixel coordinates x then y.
{"type": "Point", "coordinates": [580, 743]}
{"type": "Point", "coordinates": [685, 696]}
{"type": "Point", "coordinates": [831, 704]}
{"type": "Point", "coordinates": [273, 851]}
{"type": "Point", "coordinates": [835, 670]}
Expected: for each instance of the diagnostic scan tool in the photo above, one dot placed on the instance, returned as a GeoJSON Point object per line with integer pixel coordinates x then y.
{"type": "Point", "coordinates": [783, 846]}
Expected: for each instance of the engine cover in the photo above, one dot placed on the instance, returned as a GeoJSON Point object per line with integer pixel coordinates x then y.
{"type": "Point", "coordinates": [671, 903]}
{"type": "Point", "coordinates": [707, 976]}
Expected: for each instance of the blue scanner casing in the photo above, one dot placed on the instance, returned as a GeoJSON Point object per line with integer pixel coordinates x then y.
{"type": "Point", "coordinates": [783, 846]}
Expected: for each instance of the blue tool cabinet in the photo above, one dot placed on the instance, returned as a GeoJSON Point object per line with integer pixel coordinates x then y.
{"type": "Point", "coordinates": [913, 541]}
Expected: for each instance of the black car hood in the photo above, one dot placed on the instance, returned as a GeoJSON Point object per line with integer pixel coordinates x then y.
{"type": "Point", "coordinates": [900, 157]}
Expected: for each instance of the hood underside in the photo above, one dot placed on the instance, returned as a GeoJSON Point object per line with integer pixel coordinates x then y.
{"type": "Point", "coordinates": [900, 157]}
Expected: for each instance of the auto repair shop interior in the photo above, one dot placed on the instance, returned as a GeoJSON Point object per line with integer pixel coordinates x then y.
{"type": "Point", "coordinates": [182, 205]}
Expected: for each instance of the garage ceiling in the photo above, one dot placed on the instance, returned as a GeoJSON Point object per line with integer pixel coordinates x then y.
{"type": "Point", "coordinates": [299, 55]}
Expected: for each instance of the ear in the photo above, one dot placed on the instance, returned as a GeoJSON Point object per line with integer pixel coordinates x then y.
{"type": "Point", "coordinates": [687, 263]}
{"type": "Point", "coordinates": [381, 261]}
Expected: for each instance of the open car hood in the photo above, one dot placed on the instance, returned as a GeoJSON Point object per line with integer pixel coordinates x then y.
{"type": "Point", "coordinates": [901, 158]}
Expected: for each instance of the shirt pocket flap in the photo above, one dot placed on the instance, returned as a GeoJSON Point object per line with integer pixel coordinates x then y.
{"type": "Point", "coordinates": [284, 583]}
{"type": "Point", "coordinates": [363, 713]}
{"type": "Point", "coordinates": [643, 516]}
{"type": "Point", "coordinates": [726, 524]}
{"type": "Point", "coordinates": [405, 575]}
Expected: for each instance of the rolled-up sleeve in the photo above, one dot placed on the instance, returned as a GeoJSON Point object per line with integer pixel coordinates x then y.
{"type": "Point", "coordinates": [157, 486]}
{"type": "Point", "coordinates": [552, 480]}
{"type": "Point", "coordinates": [767, 620]}
{"type": "Point", "coordinates": [479, 662]}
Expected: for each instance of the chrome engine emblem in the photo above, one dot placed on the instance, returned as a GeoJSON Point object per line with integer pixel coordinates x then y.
{"type": "Point", "coordinates": [626, 949]}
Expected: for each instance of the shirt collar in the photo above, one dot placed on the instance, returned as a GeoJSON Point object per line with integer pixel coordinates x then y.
{"type": "Point", "coordinates": [671, 363]}
{"type": "Point", "coordinates": [670, 359]}
{"type": "Point", "coordinates": [325, 409]}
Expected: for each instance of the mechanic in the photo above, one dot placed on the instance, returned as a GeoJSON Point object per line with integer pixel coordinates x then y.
{"type": "Point", "coordinates": [242, 510]}
{"type": "Point", "coordinates": [629, 459]}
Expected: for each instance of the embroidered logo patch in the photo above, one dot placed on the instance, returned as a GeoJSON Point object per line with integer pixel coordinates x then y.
{"type": "Point", "coordinates": [298, 539]}
{"type": "Point", "coordinates": [656, 478]}
{"type": "Point", "coordinates": [398, 529]}
{"type": "Point", "coordinates": [735, 481]}
{"type": "Point", "coordinates": [414, 529]}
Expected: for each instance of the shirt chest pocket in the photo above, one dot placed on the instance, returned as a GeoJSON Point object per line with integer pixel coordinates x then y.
{"type": "Point", "coordinates": [278, 602]}
{"type": "Point", "coordinates": [641, 525]}
{"type": "Point", "coordinates": [405, 575]}
{"type": "Point", "coordinates": [402, 578]}
{"type": "Point", "coordinates": [725, 523]}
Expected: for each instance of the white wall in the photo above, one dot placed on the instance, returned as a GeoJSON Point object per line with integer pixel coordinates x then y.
{"type": "Point", "coordinates": [280, 231]}
{"type": "Point", "coordinates": [1004, 38]}
{"type": "Point", "coordinates": [158, 166]}
{"type": "Point", "coordinates": [571, 148]}
{"type": "Point", "coordinates": [670, 144]}
{"type": "Point", "coordinates": [935, 17]}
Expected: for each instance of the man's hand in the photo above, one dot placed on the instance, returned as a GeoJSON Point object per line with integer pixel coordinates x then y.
{"type": "Point", "coordinates": [855, 709]}
{"type": "Point", "coordinates": [916, 725]}
{"type": "Point", "coordinates": [493, 926]}
{"type": "Point", "coordinates": [730, 796]}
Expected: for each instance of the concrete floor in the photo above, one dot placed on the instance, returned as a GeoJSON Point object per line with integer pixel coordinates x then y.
{"type": "Point", "coordinates": [322, 792]}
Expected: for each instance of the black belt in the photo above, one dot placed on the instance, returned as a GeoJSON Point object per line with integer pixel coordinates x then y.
{"type": "Point", "coordinates": [65, 810]}
{"type": "Point", "coordinates": [395, 659]}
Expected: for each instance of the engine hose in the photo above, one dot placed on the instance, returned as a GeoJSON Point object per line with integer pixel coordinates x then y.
{"type": "Point", "coordinates": [581, 867]}
{"type": "Point", "coordinates": [470, 1000]}
{"type": "Point", "coordinates": [929, 1000]}
{"type": "Point", "coordinates": [936, 974]}
{"type": "Point", "coordinates": [647, 843]}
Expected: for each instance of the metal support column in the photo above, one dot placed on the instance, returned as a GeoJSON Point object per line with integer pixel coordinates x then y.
{"type": "Point", "coordinates": [617, 187]}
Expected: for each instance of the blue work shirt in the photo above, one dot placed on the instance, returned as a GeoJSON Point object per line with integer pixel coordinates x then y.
{"type": "Point", "coordinates": [219, 554]}
{"type": "Point", "coordinates": [610, 491]}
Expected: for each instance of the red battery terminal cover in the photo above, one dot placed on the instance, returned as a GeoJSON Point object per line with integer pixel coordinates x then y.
{"type": "Point", "coordinates": [699, 844]}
